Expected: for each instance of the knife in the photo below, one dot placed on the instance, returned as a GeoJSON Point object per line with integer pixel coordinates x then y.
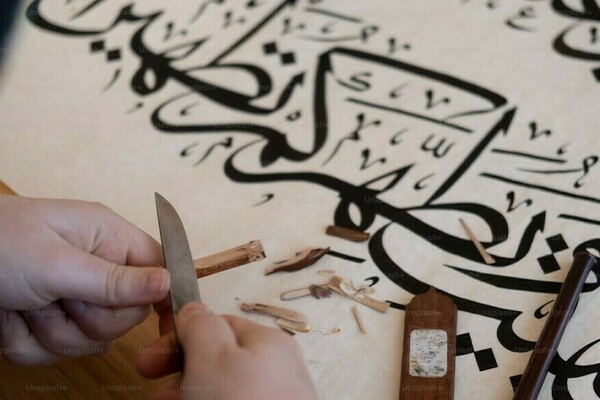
{"type": "Point", "coordinates": [177, 256]}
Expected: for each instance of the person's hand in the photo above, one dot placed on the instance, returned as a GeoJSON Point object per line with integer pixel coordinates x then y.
{"type": "Point", "coordinates": [74, 276]}
{"type": "Point", "coordinates": [227, 358]}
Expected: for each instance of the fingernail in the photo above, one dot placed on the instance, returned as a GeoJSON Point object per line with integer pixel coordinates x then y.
{"type": "Point", "coordinates": [76, 307]}
{"type": "Point", "coordinates": [194, 308]}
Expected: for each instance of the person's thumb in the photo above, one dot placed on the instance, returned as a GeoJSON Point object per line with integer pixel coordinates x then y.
{"type": "Point", "coordinates": [204, 335]}
{"type": "Point", "coordinates": [93, 279]}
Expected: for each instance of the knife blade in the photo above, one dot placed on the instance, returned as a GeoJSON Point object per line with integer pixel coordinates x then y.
{"type": "Point", "coordinates": [176, 255]}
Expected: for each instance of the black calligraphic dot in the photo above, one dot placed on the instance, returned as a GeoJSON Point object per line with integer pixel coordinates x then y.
{"type": "Point", "coordinates": [557, 243]}
{"type": "Point", "coordinates": [97, 46]}
{"type": "Point", "coordinates": [596, 72]}
{"type": "Point", "coordinates": [288, 58]}
{"type": "Point", "coordinates": [548, 263]}
{"type": "Point", "coordinates": [514, 381]}
{"type": "Point", "coordinates": [373, 280]}
{"type": "Point", "coordinates": [186, 151]}
{"type": "Point", "coordinates": [113, 55]}
{"type": "Point", "coordinates": [137, 106]}
{"type": "Point", "coordinates": [464, 344]}
{"type": "Point", "coordinates": [485, 359]}
{"type": "Point", "coordinates": [294, 116]}
{"type": "Point", "coordinates": [270, 48]}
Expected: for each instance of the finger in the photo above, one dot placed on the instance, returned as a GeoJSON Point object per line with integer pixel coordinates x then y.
{"type": "Point", "coordinates": [18, 344]}
{"type": "Point", "coordinates": [141, 248]}
{"type": "Point", "coordinates": [90, 278]}
{"type": "Point", "coordinates": [58, 333]}
{"type": "Point", "coordinates": [104, 323]}
{"type": "Point", "coordinates": [97, 229]}
{"type": "Point", "coordinates": [249, 333]}
{"type": "Point", "coordinates": [159, 358]}
{"type": "Point", "coordinates": [168, 389]}
{"type": "Point", "coordinates": [203, 335]}
{"type": "Point", "coordinates": [165, 316]}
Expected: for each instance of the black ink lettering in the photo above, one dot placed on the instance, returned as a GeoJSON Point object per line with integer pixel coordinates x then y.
{"type": "Point", "coordinates": [431, 102]}
{"type": "Point", "coordinates": [227, 143]}
{"type": "Point", "coordinates": [420, 184]}
{"type": "Point", "coordinates": [365, 163]}
{"type": "Point", "coordinates": [538, 312]}
{"type": "Point", "coordinates": [397, 91]}
{"type": "Point", "coordinates": [354, 135]}
{"type": "Point", "coordinates": [510, 196]}
{"type": "Point", "coordinates": [535, 134]}
{"type": "Point", "coordinates": [436, 150]}
{"type": "Point", "coordinates": [267, 197]}
{"type": "Point", "coordinates": [186, 150]}
{"type": "Point", "coordinates": [396, 138]}
{"type": "Point", "coordinates": [529, 155]}
{"type": "Point", "coordinates": [360, 83]}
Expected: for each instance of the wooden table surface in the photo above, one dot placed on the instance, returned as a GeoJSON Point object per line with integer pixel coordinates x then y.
{"type": "Point", "coordinates": [109, 376]}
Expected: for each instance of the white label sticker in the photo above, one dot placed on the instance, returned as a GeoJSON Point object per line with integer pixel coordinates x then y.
{"type": "Point", "coordinates": [428, 353]}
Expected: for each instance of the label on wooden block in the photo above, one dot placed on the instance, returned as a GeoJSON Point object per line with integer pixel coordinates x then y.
{"type": "Point", "coordinates": [428, 352]}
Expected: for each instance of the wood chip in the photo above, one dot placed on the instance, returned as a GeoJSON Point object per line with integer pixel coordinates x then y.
{"type": "Point", "coordinates": [301, 260]}
{"type": "Point", "coordinates": [274, 311]}
{"type": "Point", "coordinates": [359, 320]}
{"type": "Point", "coordinates": [293, 326]}
{"type": "Point", "coordinates": [326, 272]}
{"type": "Point", "coordinates": [289, 332]}
{"type": "Point", "coordinates": [295, 294]}
{"type": "Point", "coordinates": [337, 284]}
{"type": "Point", "coordinates": [319, 291]}
{"type": "Point", "coordinates": [484, 254]}
{"type": "Point", "coordinates": [232, 258]}
{"type": "Point", "coordinates": [347, 233]}
{"type": "Point", "coordinates": [334, 331]}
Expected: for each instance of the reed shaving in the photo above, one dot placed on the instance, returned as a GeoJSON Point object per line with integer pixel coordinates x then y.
{"type": "Point", "coordinates": [274, 311]}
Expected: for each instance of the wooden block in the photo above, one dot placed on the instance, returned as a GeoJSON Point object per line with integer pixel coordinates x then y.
{"type": "Point", "coordinates": [429, 348]}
